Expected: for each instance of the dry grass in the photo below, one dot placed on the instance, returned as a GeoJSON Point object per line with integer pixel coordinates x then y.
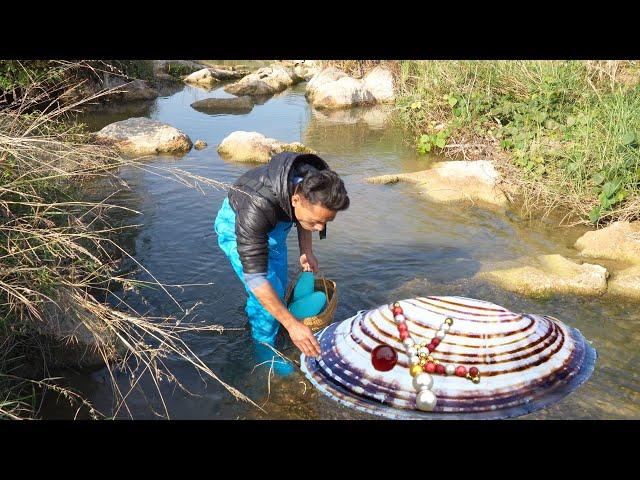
{"type": "Point", "coordinates": [58, 252]}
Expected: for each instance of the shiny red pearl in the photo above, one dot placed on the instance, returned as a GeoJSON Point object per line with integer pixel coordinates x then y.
{"type": "Point", "coordinates": [461, 371]}
{"type": "Point", "coordinates": [384, 358]}
{"type": "Point", "coordinates": [431, 347]}
{"type": "Point", "coordinates": [435, 341]}
{"type": "Point", "coordinates": [440, 369]}
{"type": "Point", "coordinates": [474, 372]}
{"type": "Point", "coordinates": [402, 327]}
{"type": "Point", "coordinates": [397, 311]}
{"type": "Point", "coordinates": [430, 367]}
{"type": "Point", "coordinates": [404, 334]}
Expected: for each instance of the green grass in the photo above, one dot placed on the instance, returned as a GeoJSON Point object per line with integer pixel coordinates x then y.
{"type": "Point", "coordinates": [571, 128]}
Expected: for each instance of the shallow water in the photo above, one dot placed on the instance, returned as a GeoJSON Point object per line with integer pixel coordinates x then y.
{"type": "Point", "coordinates": [389, 244]}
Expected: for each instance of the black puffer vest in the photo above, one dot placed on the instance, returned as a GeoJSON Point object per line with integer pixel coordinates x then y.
{"type": "Point", "coordinates": [260, 199]}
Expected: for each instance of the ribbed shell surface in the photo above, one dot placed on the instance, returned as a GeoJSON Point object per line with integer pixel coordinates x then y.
{"type": "Point", "coordinates": [526, 361]}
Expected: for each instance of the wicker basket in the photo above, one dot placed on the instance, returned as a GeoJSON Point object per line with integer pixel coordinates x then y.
{"type": "Point", "coordinates": [325, 317]}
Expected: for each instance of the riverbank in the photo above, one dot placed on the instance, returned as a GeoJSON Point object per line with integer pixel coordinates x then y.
{"type": "Point", "coordinates": [566, 135]}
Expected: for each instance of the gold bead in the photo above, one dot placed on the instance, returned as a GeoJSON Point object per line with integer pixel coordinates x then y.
{"type": "Point", "coordinates": [396, 304]}
{"type": "Point", "coordinates": [476, 379]}
{"type": "Point", "coordinates": [448, 321]}
{"type": "Point", "coordinates": [415, 370]}
{"type": "Point", "coordinates": [423, 362]}
{"type": "Point", "coordinates": [429, 358]}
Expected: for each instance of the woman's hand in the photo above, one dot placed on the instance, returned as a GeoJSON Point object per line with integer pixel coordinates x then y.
{"type": "Point", "coordinates": [309, 262]}
{"type": "Point", "coordinates": [303, 338]}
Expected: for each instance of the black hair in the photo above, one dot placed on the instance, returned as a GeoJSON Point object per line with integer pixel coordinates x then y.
{"type": "Point", "coordinates": [324, 187]}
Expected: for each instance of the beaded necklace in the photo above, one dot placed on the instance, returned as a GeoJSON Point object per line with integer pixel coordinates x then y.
{"type": "Point", "coordinates": [384, 358]}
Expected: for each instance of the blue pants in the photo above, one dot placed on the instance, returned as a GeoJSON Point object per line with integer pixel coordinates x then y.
{"type": "Point", "coordinates": [264, 326]}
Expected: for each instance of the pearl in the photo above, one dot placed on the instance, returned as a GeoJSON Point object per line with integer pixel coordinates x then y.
{"type": "Point", "coordinates": [430, 367]}
{"type": "Point", "coordinates": [423, 351]}
{"type": "Point", "coordinates": [435, 341]}
{"type": "Point", "coordinates": [474, 372]}
{"type": "Point", "coordinates": [450, 369]}
{"type": "Point", "coordinates": [426, 400]}
{"type": "Point", "coordinates": [415, 370]}
{"type": "Point", "coordinates": [461, 371]}
{"type": "Point", "coordinates": [448, 321]}
{"type": "Point", "coordinates": [412, 350]}
{"type": "Point", "coordinates": [396, 304]}
{"type": "Point", "coordinates": [440, 369]}
{"type": "Point", "coordinates": [399, 318]}
{"type": "Point", "coordinates": [408, 342]}
{"type": "Point", "coordinates": [415, 360]}
{"type": "Point", "coordinates": [444, 327]}
{"type": "Point", "coordinates": [440, 334]}
{"type": "Point", "coordinates": [422, 381]}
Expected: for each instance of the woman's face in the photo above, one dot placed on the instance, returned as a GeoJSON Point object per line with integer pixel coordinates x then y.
{"type": "Point", "coordinates": [311, 217]}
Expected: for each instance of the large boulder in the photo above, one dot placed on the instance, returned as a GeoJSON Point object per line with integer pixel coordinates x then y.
{"type": "Point", "coordinates": [379, 82]}
{"type": "Point", "coordinates": [545, 275]}
{"type": "Point", "coordinates": [626, 282]}
{"type": "Point", "coordinates": [618, 241]}
{"type": "Point", "coordinates": [210, 76]}
{"type": "Point", "coordinates": [305, 70]}
{"type": "Point", "coordinates": [137, 90]}
{"type": "Point", "coordinates": [455, 181]}
{"type": "Point", "coordinates": [203, 77]}
{"type": "Point", "coordinates": [243, 146]}
{"type": "Point", "coordinates": [332, 88]}
{"type": "Point", "coordinates": [242, 104]}
{"type": "Point", "coordinates": [343, 93]}
{"type": "Point", "coordinates": [265, 81]}
{"type": "Point", "coordinates": [142, 136]}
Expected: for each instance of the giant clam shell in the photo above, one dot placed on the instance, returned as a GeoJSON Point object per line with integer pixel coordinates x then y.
{"type": "Point", "coordinates": [527, 362]}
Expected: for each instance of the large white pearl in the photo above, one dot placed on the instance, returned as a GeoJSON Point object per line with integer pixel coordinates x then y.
{"type": "Point", "coordinates": [450, 369]}
{"type": "Point", "coordinates": [426, 400]}
{"type": "Point", "coordinates": [408, 342]}
{"type": "Point", "coordinates": [444, 327]}
{"type": "Point", "coordinates": [415, 360]}
{"type": "Point", "coordinates": [399, 318]}
{"type": "Point", "coordinates": [412, 350]}
{"type": "Point", "coordinates": [422, 381]}
{"type": "Point", "coordinates": [440, 334]}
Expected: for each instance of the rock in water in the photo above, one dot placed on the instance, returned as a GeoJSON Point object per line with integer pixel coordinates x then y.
{"type": "Point", "coordinates": [142, 136]}
{"type": "Point", "coordinates": [618, 241]}
{"type": "Point", "coordinates": [546, 275]}
{"type": "Point", "coordinates": [265, 81]}
{"type": "Point", "coordinates": [243, 146]}
{"type": "Point", "coordinates": [200, 144]}
{"type": "Point", "coordinates": [242, 104]}
{"type": "Point", "coordinates": [455, 181]}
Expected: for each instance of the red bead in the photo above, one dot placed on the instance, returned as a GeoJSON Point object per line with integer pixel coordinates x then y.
{"type": "Point", "coordinates": [402, 327]}
{"type": "Point", "coordinates": [431, 347]}
{"type": "Point", "coordinates": [404, 334]}
{"type": "Point", "coordinates": [435, 341]}
{"type": "Point", "coordinates": [461, 371]}
{"type": "Point", "coordinates": [430, 367]}
{"type": "Point", "coordinates": [397, 311]}
{"type": "Point", "coordinates": [384, 358]}
{"type": "Point", "coordinates": [474, 372]}
{"type": "Point", "coordinates": [440, 370]}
